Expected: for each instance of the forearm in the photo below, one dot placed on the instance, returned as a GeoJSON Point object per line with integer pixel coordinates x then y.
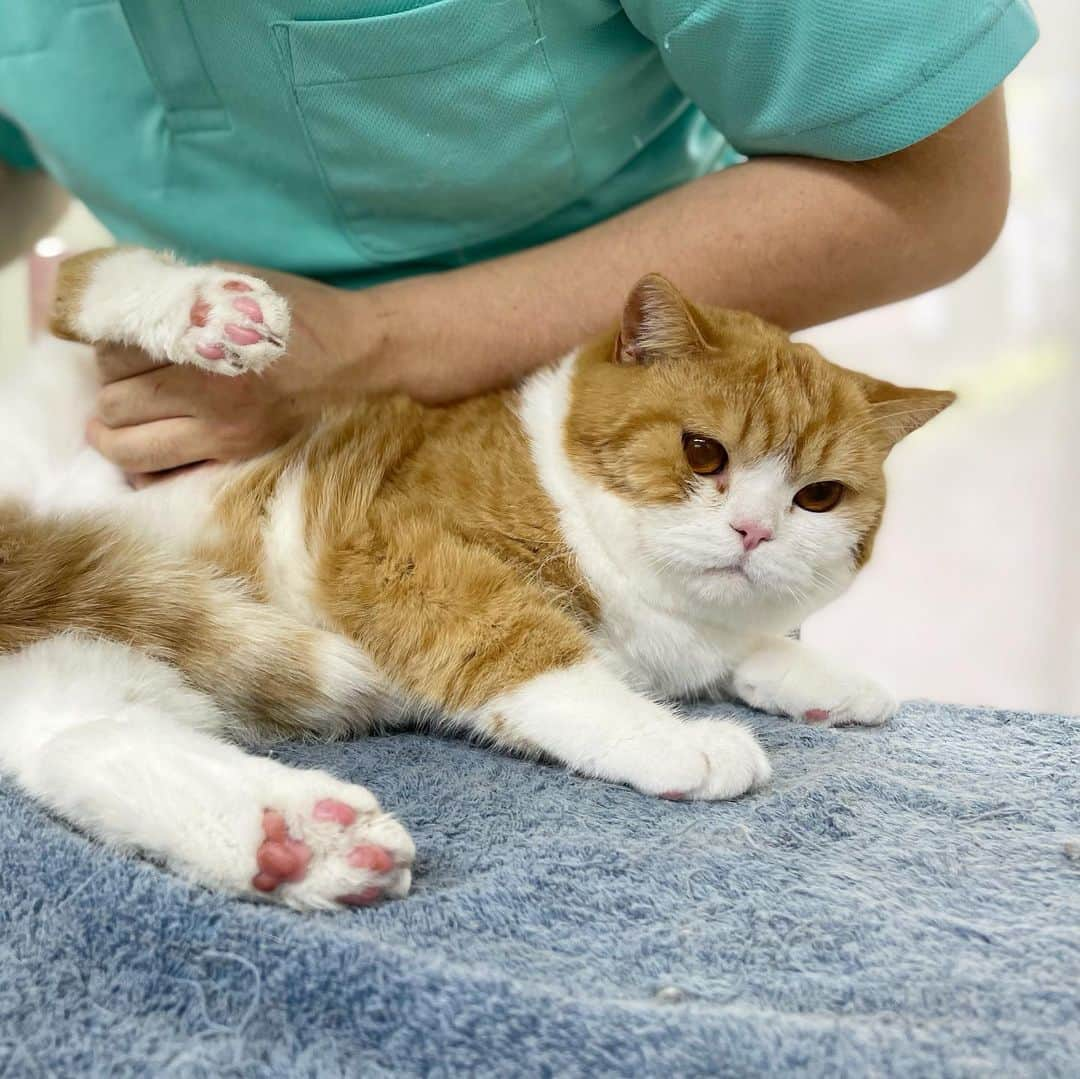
{"type": "Point", "coordinates": [29, 204]}
{"type": "Point", "coordinates": [798, 241]}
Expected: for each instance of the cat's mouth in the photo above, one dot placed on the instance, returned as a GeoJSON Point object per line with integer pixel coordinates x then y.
{"type": "Point", "coordinates": [730, 569]}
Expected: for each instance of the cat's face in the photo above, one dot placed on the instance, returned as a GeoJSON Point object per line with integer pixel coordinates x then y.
{"type": "Point", "coordinates": [753, 466]}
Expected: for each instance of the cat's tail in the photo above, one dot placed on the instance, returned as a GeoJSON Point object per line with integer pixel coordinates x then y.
{"type": "Point", "coordinates": [88, 574]}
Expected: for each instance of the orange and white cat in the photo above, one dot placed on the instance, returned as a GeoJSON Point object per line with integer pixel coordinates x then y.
{"type": "Point", "coordinates": [544, 568]}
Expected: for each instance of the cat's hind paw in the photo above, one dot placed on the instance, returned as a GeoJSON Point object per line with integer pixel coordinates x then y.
{"type": "Point", "coordinates": [325, 853]}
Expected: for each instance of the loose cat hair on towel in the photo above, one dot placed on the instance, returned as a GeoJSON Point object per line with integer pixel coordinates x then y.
{"type": "Point", "coordinates": [543, 568]}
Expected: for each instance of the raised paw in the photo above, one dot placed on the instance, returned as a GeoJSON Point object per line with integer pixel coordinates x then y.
{"type": "Point", "coordinates": [236, 324]}
{"type": "Point", "coordinates": [332, 852]}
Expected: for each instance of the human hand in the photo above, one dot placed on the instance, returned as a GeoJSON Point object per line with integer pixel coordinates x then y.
{"type": "Point", "coordinates": [152, 418]}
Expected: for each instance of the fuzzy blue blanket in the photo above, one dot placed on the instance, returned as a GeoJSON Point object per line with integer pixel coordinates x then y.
{"type": "Point", "coordinates": [898, 902]}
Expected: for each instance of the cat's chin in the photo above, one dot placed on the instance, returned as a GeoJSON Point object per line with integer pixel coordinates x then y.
{"type": "Point", "coordinates": [727, 585]}
{"type": "Point", "coordinates": [744, 585]}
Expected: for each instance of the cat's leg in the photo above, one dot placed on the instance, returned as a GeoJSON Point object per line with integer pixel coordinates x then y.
{"type": "Point", "coordinates": [121, 747]}
{"type": "Point", "coordinates": [91, 573]}
{"type": "Point", "coordinates": [226, 322]}
{"type": "Point", "coordinates": [462, 631]}
{"type": "Point", "coordinates": [590, 720]}
{"type": "Point", "coordinates": [787, 677]}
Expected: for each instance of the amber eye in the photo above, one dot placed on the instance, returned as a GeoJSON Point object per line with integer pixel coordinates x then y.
{"type": "Point", "coordinates": [820, 497]}
{"type": "Point", "coordinates": [704, 455]}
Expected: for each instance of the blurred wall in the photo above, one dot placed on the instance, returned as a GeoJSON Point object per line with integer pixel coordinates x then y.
{"type": "Point", "coordinates": [76, 231]}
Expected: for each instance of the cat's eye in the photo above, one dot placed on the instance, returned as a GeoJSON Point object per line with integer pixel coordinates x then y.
{"type": "Point", "coordinates": [820, 497]}
{"type": "Point", "coordinates": [704, 455]}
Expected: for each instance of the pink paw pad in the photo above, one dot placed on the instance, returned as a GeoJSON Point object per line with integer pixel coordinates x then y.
{"type": "Point", "coordinates": [211, 352]}
{"type": "Point", "coordinates": [331, 809]}
{"type": "Point", "coordinates": [368, 856]}
{"type": "Point", "coordinates": [673, 796]}
{"type": "Point", "coordinates": [242, 335]}
{"type": "Point", "coordinates": [247, 306]}
{"type": "Point", "coordinates": [373, 858]}
{"type": "Point", "coordinates": [816, 715]}
{"type": "Point", "coordinates": [280, 857]}
{"type": "Point", "coordinates": [236, 286]}
{"type": "Point", "coordinates": [361, 899]}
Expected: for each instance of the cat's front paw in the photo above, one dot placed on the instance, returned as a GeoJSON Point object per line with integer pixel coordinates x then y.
{"type": "Point", "coordinates": [731, 761]}
{"type": "Point", "coordinates": [852, 701]}
{"type": "Point", "coordinates": [787, 678]}
{"type": "Point", "coordinates": [236, 324]}
{"type": "Point", "coordinates": [689, 760]}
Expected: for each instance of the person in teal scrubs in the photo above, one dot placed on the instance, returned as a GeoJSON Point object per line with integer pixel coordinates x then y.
{"type": "Point", "coordinates": [453, 192]}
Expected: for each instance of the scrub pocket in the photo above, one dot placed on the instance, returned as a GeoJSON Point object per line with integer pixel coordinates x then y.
{"type": "Point", "coordinates": [432, 128]}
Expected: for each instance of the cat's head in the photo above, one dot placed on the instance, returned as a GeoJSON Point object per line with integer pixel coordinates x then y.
{"type": "Point", "coordinates": [753, 467]}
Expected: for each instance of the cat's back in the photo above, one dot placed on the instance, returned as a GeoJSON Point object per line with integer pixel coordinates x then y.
{"type": "Point", "coordinates": [391, 483]}
{"type": "Point", "coordinates": [388, 464]}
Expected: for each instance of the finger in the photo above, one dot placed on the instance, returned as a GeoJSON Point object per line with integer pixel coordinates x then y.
{"type": "Point", "coordinates": [118, 361]}
{"type": "Point", "coordinates": [164, 393]}
{"type": "Point", "coordinates": [139, 480]}
{"type": "Point", "coordinates": [151, 447]}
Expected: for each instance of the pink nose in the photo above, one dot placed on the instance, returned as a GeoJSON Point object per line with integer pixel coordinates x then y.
{"type": "Point", "coordinates": [752, 533]}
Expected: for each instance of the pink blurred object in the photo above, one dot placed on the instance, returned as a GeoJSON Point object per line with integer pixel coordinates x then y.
{"type": "Point", "coordinates": [44, 260]}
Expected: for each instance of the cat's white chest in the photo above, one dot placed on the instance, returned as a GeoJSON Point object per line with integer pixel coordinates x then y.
{"type": "Point", "coordinates": [664, 653]}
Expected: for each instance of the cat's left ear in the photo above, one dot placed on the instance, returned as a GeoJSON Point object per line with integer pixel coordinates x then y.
{"type": "Point", "coordinates": [656, 323]}
{"type": "Point", "coordinates": [899, 410]}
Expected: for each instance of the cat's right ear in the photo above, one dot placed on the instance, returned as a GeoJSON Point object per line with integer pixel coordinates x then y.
{"type": "Point", "coordinates": [656, 323]}
{"type": "Point", "coordinates": [899, 410]}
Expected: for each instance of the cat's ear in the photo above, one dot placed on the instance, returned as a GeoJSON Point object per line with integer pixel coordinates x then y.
{"type": "Point", "coordinates": [656, 323]}
{"type": "Point", "coordinates": [899, 410]}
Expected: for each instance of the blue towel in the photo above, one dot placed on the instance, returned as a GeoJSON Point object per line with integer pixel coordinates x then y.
{"type": "Point", "coordinates": [898, 902]}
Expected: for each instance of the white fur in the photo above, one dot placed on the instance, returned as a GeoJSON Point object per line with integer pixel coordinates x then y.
{"type": "Point", "coordinates": [44, 409]}
{"type": "Point", "coordinates": [118, 743]}
{"type": "Point", "coordinates": [587, 718]}
{"type": "Point", "coordinates": [141, 298]}
{"type": "Point", "coordinates": [288, 565]}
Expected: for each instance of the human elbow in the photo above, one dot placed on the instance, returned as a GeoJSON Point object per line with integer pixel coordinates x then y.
{"type": "Point", "coordinates": [972, 223]}
{"type": "Point", "coordinates": [957, 187]}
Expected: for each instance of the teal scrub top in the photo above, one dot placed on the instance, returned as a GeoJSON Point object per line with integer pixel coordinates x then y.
{"type": "Point", "coordinates": [356, 140]}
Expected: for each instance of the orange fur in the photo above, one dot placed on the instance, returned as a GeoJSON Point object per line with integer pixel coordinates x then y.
{"type": "Point", "coordinates": [90, 575]}
{"type": "Point", "coordinates": [71, 282]}
{"type": "Point", "coordinates": [436, 548]}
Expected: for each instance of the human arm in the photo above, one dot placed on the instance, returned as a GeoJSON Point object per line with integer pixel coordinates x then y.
{"type": "Point", "coordinates": [798, 240]}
